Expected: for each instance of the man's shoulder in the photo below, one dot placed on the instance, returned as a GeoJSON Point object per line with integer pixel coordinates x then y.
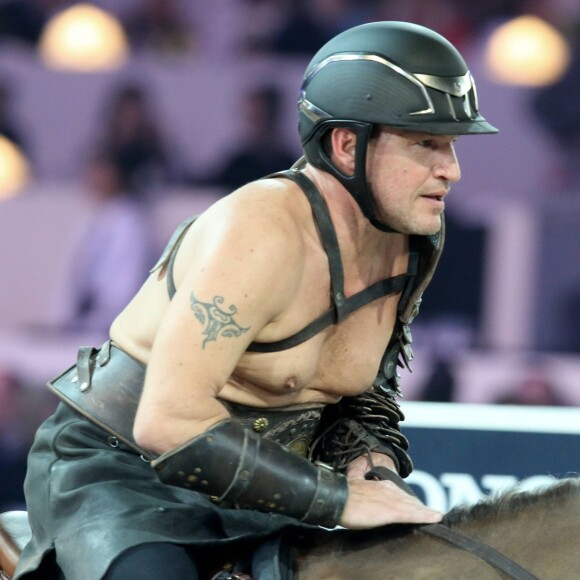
{"type": "Point", "coordinates": [248, 235]}
{"type": "Point", "coordinates": [271, 206]}
{"type": "Point", "coordinates": [265, 217]}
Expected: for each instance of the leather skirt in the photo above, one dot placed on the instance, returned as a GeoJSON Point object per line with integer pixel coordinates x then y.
{"type": "Point", "coordinates": [91, 493]}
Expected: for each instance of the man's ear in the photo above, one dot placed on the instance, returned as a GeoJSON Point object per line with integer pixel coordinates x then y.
{"type": "Point", "coordinates": [343, 142]}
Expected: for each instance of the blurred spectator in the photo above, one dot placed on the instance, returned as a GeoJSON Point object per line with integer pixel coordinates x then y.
{"type": "Point", "coordinates": [287, 26]}
{"type": "Point", "coordinates": [447, 338]}
{"type": "Point", "coordinates": [451, 19]}
{"type": "Point", "coordinates": [336, 16]}
{"type": "Point", "coordinates": [264, 20]}
{"type": "Point", "coordinates": [263, 150]}
{"type": "Point", "coordinates": [441, 385]}
{"type": "Point", "coordinates": [303, 33]}
{"type": "Point", "coordinates": [9, 126]}
{"type": "Point", "coordinates": [161, 27]}
{"type": "Point", "coordinates": [535, 388]}
{"type": "Point", "coordinates": [114, 254]}
{"type": "Point", "coordinates": [134, 141]}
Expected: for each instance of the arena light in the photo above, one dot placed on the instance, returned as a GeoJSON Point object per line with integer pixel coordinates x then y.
{"type": "Point", "coordinates": [13, 169]}
{"type": "Point", "coordinates": [83, 38]}
{"type": "Point", "coordinates": [526, 51]}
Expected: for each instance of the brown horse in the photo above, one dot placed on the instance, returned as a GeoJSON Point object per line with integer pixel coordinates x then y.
{"type": "Point", "coordinates": [540, 530]}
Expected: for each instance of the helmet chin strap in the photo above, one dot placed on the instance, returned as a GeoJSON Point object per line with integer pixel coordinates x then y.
{"type": "Point", "coordinates": [383, 227]}
{"type": "Point", "coordinates": [356, 184]}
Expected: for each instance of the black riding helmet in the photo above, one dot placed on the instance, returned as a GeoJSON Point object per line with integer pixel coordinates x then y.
{"type": "Point", "coordinates": [389, 73]}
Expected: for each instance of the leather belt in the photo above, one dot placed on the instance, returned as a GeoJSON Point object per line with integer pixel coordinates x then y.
{"type": "Point", "coordinates": [106, 383]}
{"type": "Point", "coordinates": [105, 386]}
{"type": "Point", "coordinates": [295, 428]}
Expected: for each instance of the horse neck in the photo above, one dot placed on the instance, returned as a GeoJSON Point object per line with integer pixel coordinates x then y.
{"type": "Point", "coordinates": [389, 556]}
{"type": "Point", "coordinates": [540, 531]}
{"type": "Point", "coordinates": [541, 535]}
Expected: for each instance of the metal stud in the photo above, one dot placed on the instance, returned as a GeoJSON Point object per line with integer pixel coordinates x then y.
{"type": "Point", "coordinates": [260, 424]}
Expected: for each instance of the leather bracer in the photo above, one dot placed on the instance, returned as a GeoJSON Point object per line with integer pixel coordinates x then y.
{"type": "Point", "coordinates": [368, 422]}
{"type": "Point", "coordinates": [241, 468]}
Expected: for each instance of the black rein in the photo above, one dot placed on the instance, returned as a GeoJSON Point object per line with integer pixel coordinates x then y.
{"type": "Point", "coordinates": [455, 537]}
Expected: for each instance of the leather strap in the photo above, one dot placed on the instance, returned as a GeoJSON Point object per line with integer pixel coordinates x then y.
{"type": "Point", "coordinates": [168, 256]}
{"type": "Point", "coordinates": [104, 386]}
{"type": "Point", "coordinates": [455, 537]}
{"type": "Point", "coordinates": [479, 549]}
{"type": "Point", "coordinates": [342, 306]}
{"type": "Point", "coordinates": [329, 239]}
{"type": "Point", "coordinates": [358, 300]}
{"type": "Point", "coordinates": [85, 365]}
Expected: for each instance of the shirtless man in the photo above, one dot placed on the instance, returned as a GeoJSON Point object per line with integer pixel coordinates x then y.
{"type": "Point", "coordinates": [237, 374]}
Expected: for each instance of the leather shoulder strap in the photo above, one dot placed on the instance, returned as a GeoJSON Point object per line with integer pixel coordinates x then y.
{"type": "Point", "coordinates": [167, 258]}
{"type": "Point", "coordinates": [329, 239]}
{"type": "Point", "coordinates": [341, 306]}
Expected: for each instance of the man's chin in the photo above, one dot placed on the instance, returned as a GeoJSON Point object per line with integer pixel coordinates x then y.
{"type": "Point", "coordinates": [417, 229]}
{"type": "Point", "coordinates": [430, 228]}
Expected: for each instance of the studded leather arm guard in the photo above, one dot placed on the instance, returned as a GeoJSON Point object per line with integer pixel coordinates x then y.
{"type": "Point", "coordinates": [368, 422]}
{"type": "Point", "coordinates": [242, 468]}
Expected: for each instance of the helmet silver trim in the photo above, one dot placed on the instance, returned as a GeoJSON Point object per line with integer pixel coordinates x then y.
{"type": "Point", "coordinates": [456, 86]}
{"type": "Point", "coordinates": [313, 112]}
{"type": "Point", "coordinates": [429, 110]}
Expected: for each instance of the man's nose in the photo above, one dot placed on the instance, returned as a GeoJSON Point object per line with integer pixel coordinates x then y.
{"type": "Point", "coordinates": [448, 168]}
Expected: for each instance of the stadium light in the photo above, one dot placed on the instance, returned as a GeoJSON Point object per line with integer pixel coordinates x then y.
{"type": "Point", "coordinates": [83, 38]}
{"type": "Point", "coordinates": [526, 51]}
{"type": "Point", "coordinates": [14, 170]}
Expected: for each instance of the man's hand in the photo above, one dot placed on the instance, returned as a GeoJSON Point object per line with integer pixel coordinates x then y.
{"type": "Point", "coordinates": [376, 503]}
{"type": "Point", "coordinates": [358, 468]}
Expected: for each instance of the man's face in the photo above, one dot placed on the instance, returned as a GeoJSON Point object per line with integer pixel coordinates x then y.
{"type": "Point", "coordinates": [409, 175]}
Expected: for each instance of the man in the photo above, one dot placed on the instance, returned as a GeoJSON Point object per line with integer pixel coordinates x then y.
{"type": "Point", "coordinates": [290, 297]}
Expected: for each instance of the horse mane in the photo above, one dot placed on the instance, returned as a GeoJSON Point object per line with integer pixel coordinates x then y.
{"type": "Point", "coordinates": [513, 501]}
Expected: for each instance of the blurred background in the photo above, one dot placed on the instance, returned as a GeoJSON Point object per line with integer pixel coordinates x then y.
{"type": "Point", "coordinates": [120, 118]}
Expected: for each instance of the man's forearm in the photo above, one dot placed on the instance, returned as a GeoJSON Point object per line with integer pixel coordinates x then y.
{"type": "Point", "coordinates": [240, 467]}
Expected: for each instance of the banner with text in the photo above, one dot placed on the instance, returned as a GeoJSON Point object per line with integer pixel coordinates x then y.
{"type": "Point", "coordinates": [464, 452]}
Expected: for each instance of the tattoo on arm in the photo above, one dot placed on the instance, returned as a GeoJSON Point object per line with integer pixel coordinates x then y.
{"type": "Point", "coordinates": [216, 320]}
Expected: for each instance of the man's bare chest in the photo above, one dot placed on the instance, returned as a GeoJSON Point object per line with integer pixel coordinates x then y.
{"type": "Point", "coordinates": [341, 360]}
